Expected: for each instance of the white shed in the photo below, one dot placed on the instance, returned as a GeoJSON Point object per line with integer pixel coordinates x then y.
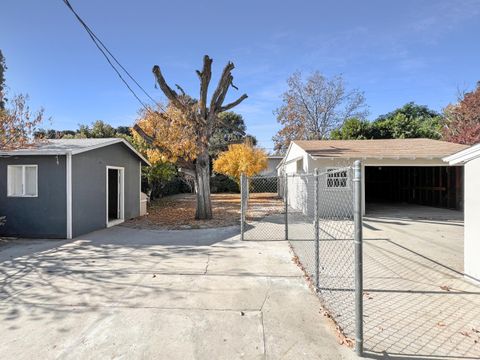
{"type": "Point", "coordinates": [470, 158]}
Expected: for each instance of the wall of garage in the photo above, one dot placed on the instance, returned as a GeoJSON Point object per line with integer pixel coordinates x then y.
{"type": "Point", "coordinates": [438, 186]}
{"type": "Point", "coordinates": [472, 223]}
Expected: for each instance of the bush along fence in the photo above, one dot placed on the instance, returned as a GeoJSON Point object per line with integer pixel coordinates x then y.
{"type": "Point", "coordinates": [320, 215]}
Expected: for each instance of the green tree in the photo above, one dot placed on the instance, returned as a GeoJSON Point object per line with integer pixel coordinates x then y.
{"type": "Point", "coordinates": [99, 129]}
{"type": "Point", "coordinates": [353, 129]}
{"type": "Point", "coordinates": [409, 121]}
{"type": "Point", "coordinates": [123, 130]}
{"type": "Point", "coordinates": [231, 130]}
{"type": "Point", "coordinates": [157, 177]}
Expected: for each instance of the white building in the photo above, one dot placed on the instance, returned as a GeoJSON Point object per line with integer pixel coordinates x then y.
{"type": "Point", "coordinates": [470, 158]}
{"type": "Point", "coordinates": [272, 163]}
{"type": "Point", "coordinates": [412, 171]}
{"type": "Point", "coordinates": [394, 170]}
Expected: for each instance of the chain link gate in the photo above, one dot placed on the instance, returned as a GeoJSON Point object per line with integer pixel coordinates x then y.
{"type": "Point", "coordinates": [320, 214]}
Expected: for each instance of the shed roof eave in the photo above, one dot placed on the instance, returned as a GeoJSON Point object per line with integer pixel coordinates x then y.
{"type": "Point", "coordinates": [39, 152]}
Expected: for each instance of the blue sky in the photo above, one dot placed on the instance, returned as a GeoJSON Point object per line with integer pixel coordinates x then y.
{"type": "Point", "coordinates": [395, 52]}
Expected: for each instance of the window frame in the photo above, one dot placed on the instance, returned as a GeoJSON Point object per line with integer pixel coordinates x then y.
{"type": "Point", "coordinates": [9, 179]}
{"type": "Point", "coordinates": [347, 185]}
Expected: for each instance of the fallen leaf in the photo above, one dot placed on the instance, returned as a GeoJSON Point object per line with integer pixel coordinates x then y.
{"type": "Point", "coordinates": [441, 324]}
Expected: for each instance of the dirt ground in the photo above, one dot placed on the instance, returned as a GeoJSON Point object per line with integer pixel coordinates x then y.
{"type": "Point", "coordinates": [178, 212]}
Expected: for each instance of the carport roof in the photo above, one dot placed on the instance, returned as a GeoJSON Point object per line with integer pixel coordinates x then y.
{"type": "Point", "coordinates": [380, 148]}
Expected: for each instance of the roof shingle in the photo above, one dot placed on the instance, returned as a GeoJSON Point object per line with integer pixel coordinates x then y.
{"type": "Point", "coordinates": [386, 148]}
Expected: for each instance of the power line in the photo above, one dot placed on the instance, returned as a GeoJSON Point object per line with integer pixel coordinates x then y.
{"type": "Point", "coordinates": [104, 50]}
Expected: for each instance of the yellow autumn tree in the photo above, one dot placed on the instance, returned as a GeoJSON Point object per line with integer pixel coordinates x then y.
{"type": "Point", "coordinates": [240, 158]}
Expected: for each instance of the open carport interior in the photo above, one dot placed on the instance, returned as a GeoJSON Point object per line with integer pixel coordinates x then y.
{"type": "Point", "coordinates": [418, 302]}
{"type": "Point", "coordinates": [437, 186]}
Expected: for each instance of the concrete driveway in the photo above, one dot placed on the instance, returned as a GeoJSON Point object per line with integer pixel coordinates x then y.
{"type": "Point", "coordinates": [418, 304]}
{"type": "Point", "coordinates": [128, 293]}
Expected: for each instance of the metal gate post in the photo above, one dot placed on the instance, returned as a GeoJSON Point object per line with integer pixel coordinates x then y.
{"type": "Point", "coordinates": [285, 191]}
{"type": "Point", "coordinates": [242, 205]}
{"type": "Point", "coordinates": [317, 225]}
{"type": "Point", "coordinates": [357, 216]}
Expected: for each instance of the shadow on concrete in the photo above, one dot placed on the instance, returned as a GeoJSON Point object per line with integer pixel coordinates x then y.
{"type": "Point", "coordinates": [416, 307]}
{"type": "Point", "coordinates": [47, 279]}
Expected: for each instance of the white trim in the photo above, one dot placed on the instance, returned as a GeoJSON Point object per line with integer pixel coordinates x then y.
{"type": "Point", "coordinates": [107, 143]}
{"type": "Point", "coordinates": [464, 156]}
{"type": "Point", "coordinates": [140, 187]}
{"type": "Point", "coordinates": [294, 160]}
{"type": "Point", "coordinates": [121, 196]}
{"type": "Point", "coordinates": [69, 194]}
{"type": "Point", "coordinates": [23, 167]}
{"type": "Point", "coordinates": [21, 152]}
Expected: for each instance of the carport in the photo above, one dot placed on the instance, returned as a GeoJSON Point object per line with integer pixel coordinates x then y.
{"type": "Point", "coordinates": [437, 186]}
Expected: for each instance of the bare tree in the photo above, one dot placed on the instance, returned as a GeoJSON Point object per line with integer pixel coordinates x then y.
{"type": "Point", "coordinates": [313, 108]}
{"type": "Point", "coordinates": [201, 118]}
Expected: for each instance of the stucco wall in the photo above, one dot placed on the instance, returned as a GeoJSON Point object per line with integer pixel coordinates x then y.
{"type": "Point", "coordinates": [333, 202]}
{"type": "Point", "coordinates": [290, 165]}
{"type": "Point", "coordinates": [89, 186]}
{"type": "Point", "coordinates": [472, 218]}
{"type": "Point", "coordinates": [42, 216]}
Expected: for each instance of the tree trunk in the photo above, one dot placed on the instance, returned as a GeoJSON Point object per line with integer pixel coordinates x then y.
{"type": "Point", "coordinates": [202, 169]}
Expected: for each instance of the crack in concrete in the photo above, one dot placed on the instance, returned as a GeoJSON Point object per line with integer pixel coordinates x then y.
{"type": "Point", "coordinates": [261, 318]}
{"type": "Point", "coordinates": [206, 266]}
{"type": "Point", "coordinates": [263, 334]}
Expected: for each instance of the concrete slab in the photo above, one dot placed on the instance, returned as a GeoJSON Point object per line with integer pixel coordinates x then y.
{"type": "Point", "coordinates": [129, 293]}
{"type": "Point", "coordinates": [418, 303]}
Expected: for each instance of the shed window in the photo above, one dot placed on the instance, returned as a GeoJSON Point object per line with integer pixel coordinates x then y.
{"type": "Point", "coordinates": [336, 178]}
{"type": "Point", "coordinates": [22, 180]}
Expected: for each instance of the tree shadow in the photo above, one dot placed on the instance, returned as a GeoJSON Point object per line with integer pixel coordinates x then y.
{"type": "Point", "coordinates": [45, 280]}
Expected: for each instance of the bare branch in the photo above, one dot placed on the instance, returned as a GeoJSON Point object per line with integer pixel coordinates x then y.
{"type": "Point", "coordinates": [167, 90]}
{"type": "Point", "coordinates": [188, 172]}
{"type": "Point", "coordinates": [222, 87]}
{"type": "Point", "coordinates": [148, 139]}
{"type": "Point", "coordinates": [180, 89]}
{"type": "Point", "coordinates": [233, 104]}
{"type": "Point", "coordinates": [205, 76]}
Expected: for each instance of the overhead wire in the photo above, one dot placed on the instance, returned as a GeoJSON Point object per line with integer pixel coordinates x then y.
{"type": "Point", "coordinates": [104, 50]}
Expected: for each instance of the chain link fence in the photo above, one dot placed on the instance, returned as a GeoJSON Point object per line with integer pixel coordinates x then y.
{"type": "Point", "coordinates": [320, 215]}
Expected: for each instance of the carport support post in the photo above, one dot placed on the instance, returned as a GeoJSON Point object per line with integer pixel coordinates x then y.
{"type": "Point", "coordinates": [357, 216]}
{"type": "Point", "coordinates": [243, 196]}
{"type": "Point", "coordinates": [317, 232]}
{"type": "Point", "coordinates": [285, 193]}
